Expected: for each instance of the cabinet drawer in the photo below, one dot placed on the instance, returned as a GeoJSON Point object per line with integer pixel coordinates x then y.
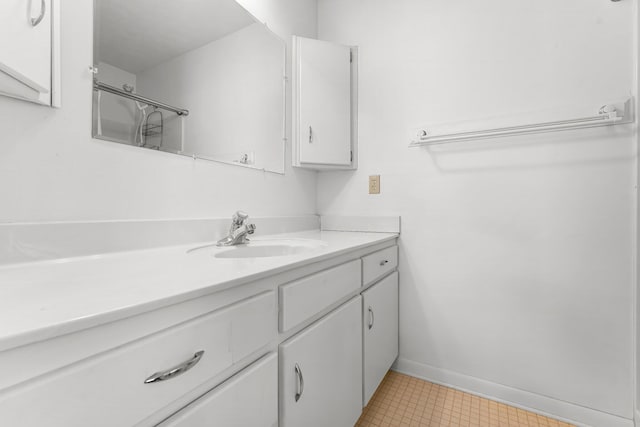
{"type": "Point", "coordinates": [110, 389]}
{"type": "Point", "coordinates": [378, 264]}
{"type": "Point", "coordinates": [250, 398]}
{"type": "Point", "coordinates": [301, 299]}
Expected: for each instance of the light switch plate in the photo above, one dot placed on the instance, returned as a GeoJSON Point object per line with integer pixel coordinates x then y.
{"type": "Point", "coordinates": [374, 184]}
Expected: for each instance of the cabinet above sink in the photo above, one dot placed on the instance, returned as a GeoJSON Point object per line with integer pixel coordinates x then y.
{"type": "Point", "coordinates": [30, 52]}
{"type": "Point", "coordinates": [325, 104]}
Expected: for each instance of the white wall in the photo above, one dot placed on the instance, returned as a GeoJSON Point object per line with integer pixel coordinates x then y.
{"type": "Point", "coordinates": [233, 90]}
{"type": "Point", "coordinates": [52, 170]}
{"type": "Point", "coordinates": [517, 254]}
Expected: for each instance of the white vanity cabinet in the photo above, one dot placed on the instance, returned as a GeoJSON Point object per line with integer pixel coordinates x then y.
{"type": "Point", "coordinates": [324, 105]}
{"type": "Point", "coordinates": [321, 371]}
{"type": "Point", "coordinates": [29, 47]}
{"type": "Point", "coordinates": [379, 332]}
{"type": "Point", "coordinates": [292, 348]}
{"type": "Point", "coordinates": [248, 399]}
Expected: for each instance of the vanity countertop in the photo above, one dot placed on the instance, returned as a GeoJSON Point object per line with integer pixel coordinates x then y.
{"type": "Point", "coordinates": [41, 300]}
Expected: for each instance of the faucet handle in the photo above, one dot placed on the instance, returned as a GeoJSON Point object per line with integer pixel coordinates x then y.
{"type": "Point", "coordinates": [251, 228]}
{"type": "Point", "coordinates": [240, 217]}
{"type": "Point", "coordinates": [239, 235]}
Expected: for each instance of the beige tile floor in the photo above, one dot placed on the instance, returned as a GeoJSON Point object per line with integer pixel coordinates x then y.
{"type": "Point", "coordinates": [402, 400]}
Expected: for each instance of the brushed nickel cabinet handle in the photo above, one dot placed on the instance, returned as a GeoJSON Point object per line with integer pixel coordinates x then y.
{"type": "Point", "coordinates": [299, 382]}
{"type": "Point", "coordinates": [371, 318]}
{"type": "Point", "coordinates": [176, 370]}
{"type": "Point", "coordinates": [43, 9]}
{"type": "Point", "coordinates": [310, 135]}
{"type": "Point", "coordinates": [383, 262]}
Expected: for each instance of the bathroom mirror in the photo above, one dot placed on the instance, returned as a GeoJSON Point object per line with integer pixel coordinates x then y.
{"type": "Point", "coordinates": [200, 78]}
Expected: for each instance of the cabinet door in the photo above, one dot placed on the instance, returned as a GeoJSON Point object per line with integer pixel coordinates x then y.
{"type": "Point", "coordinates": [324, 102]}
{"type": "Point", "coordinates": [321, 371]}
{"type": "Point", "coordinates": [380, 331]}
{"type": "Point", "coordinates": [25, 49]}
{"type": "Point", "coordinates": [248, 399]}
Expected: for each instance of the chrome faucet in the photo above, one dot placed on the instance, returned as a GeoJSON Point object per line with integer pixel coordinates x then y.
{"type": "Point", "coordinates": [239, 230]}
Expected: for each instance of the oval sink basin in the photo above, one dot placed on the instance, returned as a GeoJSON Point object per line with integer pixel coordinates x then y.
{"type": "Point", "coordinates": [263, 248]}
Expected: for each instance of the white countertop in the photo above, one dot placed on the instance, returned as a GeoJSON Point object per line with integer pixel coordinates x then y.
{"type": "Point", "coordinates": [41, 300]}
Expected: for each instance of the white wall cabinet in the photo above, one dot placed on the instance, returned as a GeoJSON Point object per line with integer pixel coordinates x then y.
{"type": "Point", "coordinates": [250, 398]}
{"type": "Point", "coordinates": [29, 46]}
{"type": "Point", "coordinates": [380, 332]}
{"type": "Point", "coordinates": [321, 371]}
{"type": "Point", "coordinates": [324, 92]}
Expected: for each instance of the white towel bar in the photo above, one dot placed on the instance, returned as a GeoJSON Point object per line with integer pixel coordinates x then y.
{"type": "Point", "coordinates": [609, 114]}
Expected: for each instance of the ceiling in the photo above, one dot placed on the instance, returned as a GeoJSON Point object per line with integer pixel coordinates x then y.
{"type": "Point", "coordinates": [137, 35]}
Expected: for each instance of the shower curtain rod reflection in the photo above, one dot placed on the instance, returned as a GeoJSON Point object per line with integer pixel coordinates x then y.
{"type": "Point", "coordinates": [99, 86]}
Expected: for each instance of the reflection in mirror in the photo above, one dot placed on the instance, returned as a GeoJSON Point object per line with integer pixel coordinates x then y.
{"type": "Point", "coordinates": [200, 78]}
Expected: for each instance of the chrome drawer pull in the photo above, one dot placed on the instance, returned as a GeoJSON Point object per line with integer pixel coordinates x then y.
{"type": "Point", "coordinates": [176, 370]}
{"type": "Point", "coordinates": [299, 383]}
{"type": "Point", "coordinates": [43, 9]}
{"type": "Point", "coordinates": [383, 262]}
{"type": "Point", "coordinates": [371, 318]}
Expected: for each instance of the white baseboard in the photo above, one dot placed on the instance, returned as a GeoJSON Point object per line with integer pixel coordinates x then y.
{"type": "Point", "coordinates": [553, 408]}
